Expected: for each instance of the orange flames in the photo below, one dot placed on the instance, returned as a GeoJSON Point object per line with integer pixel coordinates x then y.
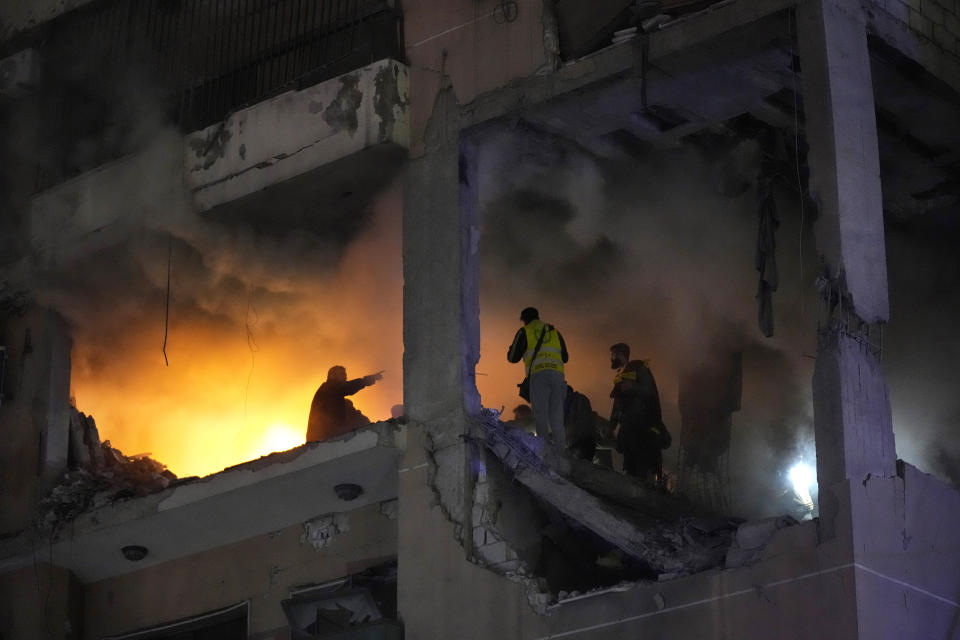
{"type": "Point", "coordinates": [199, 416]}
{"type": "Point", "coordinates": [226, 396]}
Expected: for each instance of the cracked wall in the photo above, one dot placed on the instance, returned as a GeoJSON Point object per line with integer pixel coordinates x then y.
{"type": "Point", "coordinates": [273, 564]}
{"type": "Point", "coordinates": [298, 131]}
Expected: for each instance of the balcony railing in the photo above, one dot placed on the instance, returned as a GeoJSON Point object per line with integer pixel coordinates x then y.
{"type": "Point", "coordinates": [200, 59]}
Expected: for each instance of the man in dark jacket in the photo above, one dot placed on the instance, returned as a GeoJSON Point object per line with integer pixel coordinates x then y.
{"type": "Point", "coordinates": [636, 418]}
{"type": "Point", "coordinates": [331, 414]}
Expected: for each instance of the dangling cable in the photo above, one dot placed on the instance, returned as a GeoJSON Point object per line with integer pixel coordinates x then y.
{"type": "Point", "coordinates": [166, 320]}
{"type": "Point", "coordinates": [254, 348]}
{"type": "Point", "coordinates": [792, 31]}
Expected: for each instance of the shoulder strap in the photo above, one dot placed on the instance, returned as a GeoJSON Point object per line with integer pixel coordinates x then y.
{"type": "Point", "coordinates": [536, 349]}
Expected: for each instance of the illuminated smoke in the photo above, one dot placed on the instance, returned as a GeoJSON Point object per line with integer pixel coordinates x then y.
{"type": "Point", "coordinates": [803, 477]}
{"type": "Point", "coordinates": [658, 250]}
{"type": "Point", "coordinates": [255, 322]}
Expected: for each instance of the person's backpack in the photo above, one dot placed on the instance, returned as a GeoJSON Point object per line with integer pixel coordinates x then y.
{"type": "Point", "coordinates": [578, 417]}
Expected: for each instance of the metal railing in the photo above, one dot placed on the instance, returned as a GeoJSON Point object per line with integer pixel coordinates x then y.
{"type": "Point", "coordinates": [204, 59]}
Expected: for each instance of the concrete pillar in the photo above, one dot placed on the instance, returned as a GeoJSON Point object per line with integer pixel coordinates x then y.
{"type": "Point", "coordinates": [51, 406]}
{"type": "Point", "coordinates": [441, 347]}
{"type": "Point", "coordinates": [852, 411]}
{"type": "Point", "coordinates": [844, 162]}
{"type": "Point", "coordinates": [856, 456]}
{"type": "Point", "coordinates": [35, 416]}
{"type": "Point", "coordinates": [440, 299]}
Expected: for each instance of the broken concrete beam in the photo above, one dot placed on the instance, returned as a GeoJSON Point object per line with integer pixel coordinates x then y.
{"type": "Point", "coordinates": [679, 546]}
{"type": "Point", "coordinates": [589, 511]}
{"type": "Point", "coordinates": [630, 492]}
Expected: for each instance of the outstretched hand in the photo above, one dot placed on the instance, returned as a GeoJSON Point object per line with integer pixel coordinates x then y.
{"type": "Point", "coordinates": [373, 377]}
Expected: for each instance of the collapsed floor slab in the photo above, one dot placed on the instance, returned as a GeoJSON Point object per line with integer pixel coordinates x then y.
{"type": "Point", "coordinates": [669, 546]}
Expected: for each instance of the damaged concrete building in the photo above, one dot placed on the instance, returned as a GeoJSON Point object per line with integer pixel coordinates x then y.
{"type": "Point", "coordinates": [286, 118]}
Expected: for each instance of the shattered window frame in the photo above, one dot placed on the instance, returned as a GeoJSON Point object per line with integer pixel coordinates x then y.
{"type": "Point", "coordinates": [333, 594]}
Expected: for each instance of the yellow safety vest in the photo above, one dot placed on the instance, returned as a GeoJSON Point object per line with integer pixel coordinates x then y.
{"type": "Point", "coordinates": [548, 357]}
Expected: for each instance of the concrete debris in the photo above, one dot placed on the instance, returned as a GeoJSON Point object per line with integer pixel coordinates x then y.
{"type": "Point", "coordinates": [99, 474]}
{"type": "Point", "coordinates": [85, 450]}
{"type": "Point", "coordinates": [665, 545]}
{"type": "Point", "coordinates": [120, 477]}
{"type": "Point", "coordinates": [752, 537]}
{"type": "Point", "coordinates": [320, 531]}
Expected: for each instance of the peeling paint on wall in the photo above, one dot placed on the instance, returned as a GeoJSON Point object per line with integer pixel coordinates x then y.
{"type": "Point", "coordinates": [342, 112]}
{"type": "Point", "coordinates": [212, 147]}
{"type": "Point", "coordinates": [320, 531]}
{"type": "Point", "coordinates": [387, 99]}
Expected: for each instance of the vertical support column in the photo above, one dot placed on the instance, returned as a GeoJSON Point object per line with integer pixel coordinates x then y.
{"type": "Point", "coordinates": [441, 347]}
{"type": "Point", "coordinates": [52, 404]}
{"type": "Point", "coordinates": [439, 292]}
{"type": "Point", "coordinates": [844, 160]}
{"type": "Point", "coordinates": [853, 424]}
{"type": "Point", "coordinates": [856, 456]}
{"type": "Point", "coordinates": [35, 418]}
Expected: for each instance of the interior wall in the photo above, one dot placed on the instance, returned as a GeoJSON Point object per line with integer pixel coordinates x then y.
{"type": "Point", "coordinates": [261, 570]}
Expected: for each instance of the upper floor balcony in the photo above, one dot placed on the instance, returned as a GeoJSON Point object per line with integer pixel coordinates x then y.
{"type": "Point", "coordinates": [112, 71]}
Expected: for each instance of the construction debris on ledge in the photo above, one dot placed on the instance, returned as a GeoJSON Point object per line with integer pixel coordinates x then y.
{"type": "Point", "coordinates": [98, 474]}
{"type": "Point", "coordinates": [663, 533]}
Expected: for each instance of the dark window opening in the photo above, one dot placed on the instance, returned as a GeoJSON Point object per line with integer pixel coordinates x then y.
{"type": "Point", "coordinates": [361, 606]}
{"type": "Point", "coordinates": [224, 624]}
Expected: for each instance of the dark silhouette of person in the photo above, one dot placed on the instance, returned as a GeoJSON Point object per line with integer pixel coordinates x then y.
{"type": "Point", "coordinates": [331, 414]}
{"type": "Point", "coordinates": [636, 418]}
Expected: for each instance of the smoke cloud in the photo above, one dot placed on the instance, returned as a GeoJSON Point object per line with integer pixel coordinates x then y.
{"type": "Point", "coordinates": [649, 251]}
{"type": "Point", "coordinates": [255, 322]}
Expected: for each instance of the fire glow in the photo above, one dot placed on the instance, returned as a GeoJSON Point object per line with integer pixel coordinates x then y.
{"type": "Point", "coordinates": [199, 415]}
{"type": "Point", "coordinates": [252, 333]}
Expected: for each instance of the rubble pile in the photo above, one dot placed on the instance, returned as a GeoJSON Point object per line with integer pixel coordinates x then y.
{"type": "Point", "coordinates": [98, 474]}
{"type": "Point", "coordinates": [644, 526]}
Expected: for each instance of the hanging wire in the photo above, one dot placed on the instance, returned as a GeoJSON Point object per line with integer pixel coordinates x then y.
{"type": "Point", "coordinates": [792, 31]}
{"type": "Point", "coordinates": [166, 319]}
{"type": "Point", "coordinates": [254, 348]}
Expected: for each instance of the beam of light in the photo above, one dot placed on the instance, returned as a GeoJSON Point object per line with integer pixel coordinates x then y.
{"type": "Point", "coordinates": [802, 476]}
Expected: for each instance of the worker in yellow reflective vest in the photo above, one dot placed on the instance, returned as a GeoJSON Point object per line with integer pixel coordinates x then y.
{"type": "Point", "coordinates": [543, 351]}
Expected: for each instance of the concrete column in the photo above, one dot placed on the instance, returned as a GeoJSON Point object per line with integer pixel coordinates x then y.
{"type": "Point", "coordinates": [441, 347]}
{"type": "Point", "coordinates": [844, 162]}
{"type": "Point", "coordinates": [856, 456]}
{"type": "Point", "coordinates": [440, 242]}
{"type": "Point", "coordinates": [51, 406]}
{"type": "Point", "coordinates": [852, 411]}
{"type": "Point", "coordinates": [35, 417]}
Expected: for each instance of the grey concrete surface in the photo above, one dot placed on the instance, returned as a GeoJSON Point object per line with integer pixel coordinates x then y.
{"type": "Point", "coordinates": [240, 502]}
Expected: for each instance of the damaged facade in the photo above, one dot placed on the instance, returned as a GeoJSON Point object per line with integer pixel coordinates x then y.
{"type": "Point", "coordinates": [452, 525]}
